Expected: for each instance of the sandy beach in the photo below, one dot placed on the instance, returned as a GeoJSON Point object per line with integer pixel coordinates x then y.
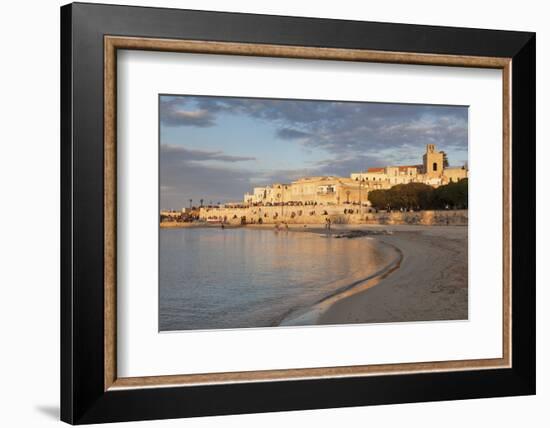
{"type": "Point", "coordinates": [429, 283]}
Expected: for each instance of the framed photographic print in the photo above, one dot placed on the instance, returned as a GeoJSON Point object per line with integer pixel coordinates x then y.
{"type": "Point", "coordinates": [264, 213]}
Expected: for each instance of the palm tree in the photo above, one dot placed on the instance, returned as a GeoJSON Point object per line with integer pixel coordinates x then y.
{"type": "Point", "coordinates": [202, 200]}
{"type": "Point", "coordinates": [190, 203]}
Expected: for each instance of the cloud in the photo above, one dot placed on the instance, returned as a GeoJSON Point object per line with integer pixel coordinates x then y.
{"type": "Point", "coordinates": [198, 174]}
{"type": "Point", "coordinates": [364, 128]}
{"type": "Point", "coordinates": [291, 134]}
{"type": "Point", "coordinates": [340, 167]}
{"type": "Point", "coordinates": [173, 113]}
{"type": "Point", "coordinates": [190, 181]}
{"type": "Point", "coordinates": [334, 126]}
{"type": "Point", "coordinates": [187, 155]}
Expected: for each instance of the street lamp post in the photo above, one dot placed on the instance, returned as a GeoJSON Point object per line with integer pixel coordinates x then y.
{"type": "Point", "coordinates": [282, 200]}
{"type": "Point", "coordinates": [360, 202]}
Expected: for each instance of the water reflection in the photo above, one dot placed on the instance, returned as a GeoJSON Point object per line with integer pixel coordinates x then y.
{"type": "Point", "coordinates": [235, 278]}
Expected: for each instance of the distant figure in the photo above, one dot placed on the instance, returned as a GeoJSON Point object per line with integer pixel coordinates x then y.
{"type": "Point", "coordinates": [223, 226]}
{"type": "Point", "coordinates": [328, 222]}
{"type": "Point", "coordinates": [286, 225]}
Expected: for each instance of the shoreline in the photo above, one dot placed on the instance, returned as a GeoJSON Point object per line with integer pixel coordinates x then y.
{"type": "Point", "coordinates": [305, 227]}
{"type": "Point", "coordinates": [311, 315]}
{"type": "Point", "coordinates": [427, 281]}
{"type": "Point", "coordinates": [430, 284]}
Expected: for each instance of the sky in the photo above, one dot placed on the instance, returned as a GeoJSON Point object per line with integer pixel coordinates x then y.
{"type": "Point", "coordinates": [218, 148]}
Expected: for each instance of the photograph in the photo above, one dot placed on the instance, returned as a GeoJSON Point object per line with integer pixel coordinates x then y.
{"type": "Point", "coordinates": [292, 212]}
{"type": "Point", "coordinates": [269, 210]}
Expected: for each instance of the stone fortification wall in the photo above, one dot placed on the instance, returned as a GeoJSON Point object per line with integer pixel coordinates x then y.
{"type": "Point", "coordinates": [338, 214]}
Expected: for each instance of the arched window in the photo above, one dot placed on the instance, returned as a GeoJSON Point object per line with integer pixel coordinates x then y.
{"type": "Point", "coordinates": [435, 166]}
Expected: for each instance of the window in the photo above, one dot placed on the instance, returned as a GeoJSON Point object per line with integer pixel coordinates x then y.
{"type": "Point", "coordinates": [435, 166]}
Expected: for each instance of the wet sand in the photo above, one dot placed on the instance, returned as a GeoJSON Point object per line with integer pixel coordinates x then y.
{"type": "Point", "coordinates": [431, 282]}
{"type": "Point", "coordinates": [428, 281]}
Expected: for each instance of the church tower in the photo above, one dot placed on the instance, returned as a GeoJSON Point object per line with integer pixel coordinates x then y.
{"type": "Point", "coordinates": [433, 161]}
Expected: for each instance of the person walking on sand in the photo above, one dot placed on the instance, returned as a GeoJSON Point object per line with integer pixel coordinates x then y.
{"type": "Point", "coordinates": [328, 223]}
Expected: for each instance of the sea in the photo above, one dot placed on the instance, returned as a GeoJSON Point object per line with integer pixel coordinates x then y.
{"type": "Point", "coordinates": [214, 278]}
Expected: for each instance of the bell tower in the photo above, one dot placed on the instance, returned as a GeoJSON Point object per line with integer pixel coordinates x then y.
{"type": "Point", "coordinates": [432, 161]}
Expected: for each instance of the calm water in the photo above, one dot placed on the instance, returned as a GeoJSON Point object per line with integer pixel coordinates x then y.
{"type": "Point", "coordinates": [233, 278]}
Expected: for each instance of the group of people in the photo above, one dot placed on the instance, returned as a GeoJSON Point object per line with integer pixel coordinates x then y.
{"type": "Point", "coordinates": [277, 226]}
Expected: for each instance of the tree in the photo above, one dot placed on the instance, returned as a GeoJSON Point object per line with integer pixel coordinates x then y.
{"type": "Point", "coordinates": [452, 195]}
{"type": "Point", "coordinates": [379, 199]}
{"type": "Point", "coordinates": [202, 200]}
{"type": "Point", "coordinates": [421, 196]}
{"type": "Point", "coordinates": [445, 160]}
{"type": "Point", "coordinates": [190, 203]}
